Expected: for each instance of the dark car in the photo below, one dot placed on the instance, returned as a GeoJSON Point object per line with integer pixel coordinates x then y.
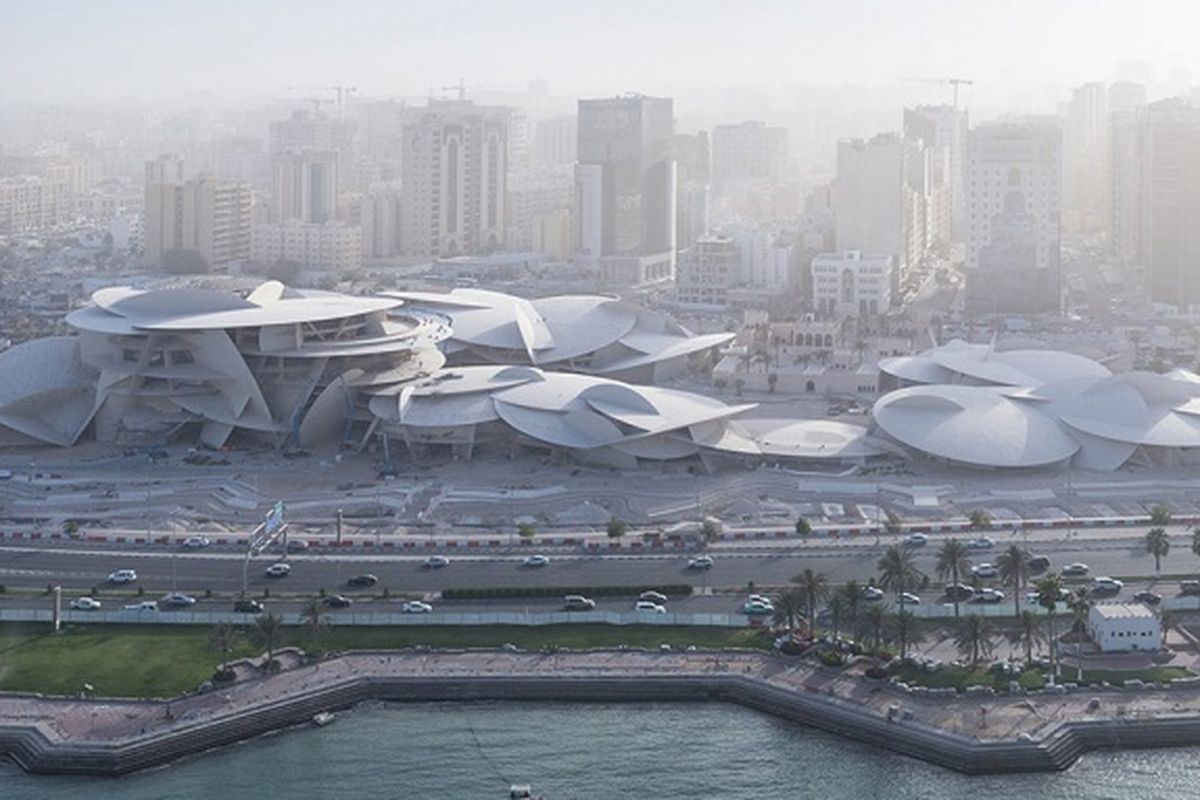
{"type": "Point", "coordinates": [1038, 564]}
{"type": "Point", "coordinates": [960, 592]}
{"type": "Point", "coordinates": [338, 601]}
{"type": "Point", "coordinates": [362, 581]}
{"type": "Point", "coordinates": [248, 607]}
{"type": "Point", "coordinates": [1189, 587]}
{"type": "Point", "coordinates": [1149, 598]}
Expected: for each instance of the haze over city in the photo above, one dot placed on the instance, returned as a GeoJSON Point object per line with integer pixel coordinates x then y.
{"type": "Point", "coordinates": [607, 399]}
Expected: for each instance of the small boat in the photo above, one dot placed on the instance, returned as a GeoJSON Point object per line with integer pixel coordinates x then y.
{"type": "Point", "coordinates": [322, 719]}
{"type": "Point", "coordinates": [520, 790]}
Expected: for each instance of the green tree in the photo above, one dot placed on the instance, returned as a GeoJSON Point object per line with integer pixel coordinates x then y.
{"type": "Point", "coordinates": [953, 562]}
{"type": "Point", "coordinates": [1158, 544]}
{"type": "Point", "coordinates": [898, 570]}
{"type": "Point", "coordinates": [803, 528]}
{"type": "Point", "coordinates": [1160, 515]}
{"type": "Point", "coordinates": [1013, 566]}
{"type": "Point", "coordinates": [1027, 633]}
{"type": "Point", "coordinates": [267, 628]}
{"type": "Point", "coordinates": [973, 638]}
{"type": "Point", "coordinates": [851, 592]}
{"type": "Point", "coordinates": [710, 529]}
{"type": "Point", "coordinates": [1049, 592]}
{"type": "Point", "coordinates": [615, 528]}
{"type": "Point", "coordinates": [815, 587]}
{"type": "Point", "coordinates": [1080, 603]}
{"type": "Point", "coordinates": [315, 620]}
{"type": "Point", "coordinates": [980, 519]}
{"type": "Point", "coordinates": [789, 607]}
{"type": "Point", "coordinates": [526, 531]}
{"type": "Point", "coordinates": [222, 640]}
{"type": "Point", "coordinates": [838, 607]}
{"type": "Point", "coordinates": [874, 621]}
{"type": "Point", "coordinates": [70, 528]}
{"type": "Point", "coordinates": [906, 631]}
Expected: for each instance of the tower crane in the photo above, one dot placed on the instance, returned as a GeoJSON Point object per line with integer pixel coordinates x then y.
{"type": "Point", "coordinates": [342, 92]}
{"type": "Point", "coordinates": [461, 88]}
{"type": "Point", "coordinates": [952, 82]}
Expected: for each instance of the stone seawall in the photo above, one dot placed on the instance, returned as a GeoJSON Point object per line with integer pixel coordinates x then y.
{"type": "Point", "coordinates": [801, 694]}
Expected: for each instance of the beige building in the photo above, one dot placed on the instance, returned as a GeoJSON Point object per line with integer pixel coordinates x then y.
{"type": "Point", "coordinates": [304, 186]}
{"type": "Point", "coordinates": [332, 245]}
{"type": "Point", "coordinates": [31, 204]}
{"type": "Point", "coordinates": [201, 215]}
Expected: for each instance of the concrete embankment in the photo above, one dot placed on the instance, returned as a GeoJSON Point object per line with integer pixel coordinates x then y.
{"type": "Point", "coordinates": [49, 735]}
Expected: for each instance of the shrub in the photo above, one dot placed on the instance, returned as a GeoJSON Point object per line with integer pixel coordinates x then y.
{"type": "Point", "coordinates": [831, 658]}
{"type": "Point", "coordinates": [495, 592]}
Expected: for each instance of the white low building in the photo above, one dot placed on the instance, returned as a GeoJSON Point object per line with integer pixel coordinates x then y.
{"type": "Point", "coordinates": [851, 284]}
{"type": "Point", "coordinates": [1116, 627]}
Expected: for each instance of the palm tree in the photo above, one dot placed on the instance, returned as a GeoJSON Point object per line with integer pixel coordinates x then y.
{"type": "Point", "coordinates": [980, 519]}
{"type": "Point", "coordinates": [876, 618]}
{"type": "Point", "coordinates": [1013, 565]}
{"type": "Point", "coordinates": [974, 638]}
{"type": "Point", "coordinates": [267, 627]}
{"type": "Point", "coordinates": [1158, 544]}
{"type": "Point", "coordinates": [952, 562]}
{"type": "Point", "coordinates": [906, 631]}
{"type": "Point", "coordinates": [314, 619]}
{"type": "Point", "coordinates": [815, 588]}
{"type": "Point", "coordinates": [789, 607]}
{"type": "Point", "coordinates": [852, 594]}
{"type": "Point", "coordinates": [803, 526]}
{"type": "Point", "coordinates": [1196, 542]}
{"type": "Point", "coordinates": [897, 570]}
{"type": "Point", "coordinates": [1160, 516]}
{"type": "Point", "coordinates": [838, 607]}
{"type": "Point", "coordinates": [222, 640]}
{"type": "Point", "coordinates": [1080, 604]}
{"type": "Point", "coordinates": [1049, 591]}
{"type": "Point", "coordinates": [1027, 633]}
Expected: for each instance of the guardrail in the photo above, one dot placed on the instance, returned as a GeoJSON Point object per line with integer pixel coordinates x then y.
{"type": "Point", "coordinates": [381, 618]}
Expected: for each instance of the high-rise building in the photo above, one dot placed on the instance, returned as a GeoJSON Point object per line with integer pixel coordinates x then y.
{"type": "Point", "coordinates": [747, 153]}
{"type": "Point", "coordinates": [946, 127]}
{"type": "Point", "coordinates": [707, 271]}
{"type": "Point", "coordinates": [1014, 171]}
{"type": "Point", "coordinates": [196, 224]}
{"type": "Point", "coordinates": [1127, 103]}
{"type": "Point", "coordinates": [33, 203]}
{"type": "Point", "coordinates": [625, 189]}
{"type": "Point", "coordinates": [455, 166]}
{"type": "Point", "coordinates": [379, 217]}
{"type": "Point", "coordinates": [333, 245]}
{"type": "Point", "coordinates": [1169, 201]}
{"type": "Point", "coordinates": [693, 171]}
{"type": "Point", "coordinates": [1086, 149]}
{"type": "Point", "coordinates": [555, 141]}
{"type": "Point", "coordinates": [304, 186]}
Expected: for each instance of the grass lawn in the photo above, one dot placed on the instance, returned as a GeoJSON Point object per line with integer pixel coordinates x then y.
{"type": "Point", "coordinates": [1152, 675]}
{"type": "Point", "coordinates": [962, 677]}
{"type": "Point", "coordinates": [166, 660]}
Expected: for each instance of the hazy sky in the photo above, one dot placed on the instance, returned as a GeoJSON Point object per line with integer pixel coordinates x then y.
{"type": "Point", "coordinates": [67, 49]}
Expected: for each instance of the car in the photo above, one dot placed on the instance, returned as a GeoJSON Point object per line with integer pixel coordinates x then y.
{"type": "Point", "coordinates": [645, 606]}
{"type": "Point", "coordinates": [435, 562]}
{"type": "Point", "coordinates": [916, 540]}
{"type": "Point", "coordinates": [537, 560]}
{"type": "Point", "coordinates": [959, 592]}
{"type": "Point", "coordinates": [1078, 568]}
{"type": "Point", "coordinates": [653, 596]}
{"type": "Point", "coordinates": [700, 562]}
{"type": "Point", "coordinates": [987, 596]}
{"type": "Point", "coordinates": [85, 604]}
{"type": "Point", "coordinates": [122, 576]}
{"type": "Point", "coordinates": [1033, 598]}
{"type": "Point", "coordinates": [908, 599]}
{"type": "Point", "coordinates": [1189, 587]}
{"type": "Point", "coordinates": [196, 542]}
{"type": "Point", "coordinates": [296, 545]}
{"type": "Point", "coordinates": [985, 570]}
{"type": "Point", "coordinates": [981, 543]}
{"type": "Point", "coordinates": [1106, 585]}
{"type": "Point", "coordinates": [279, 569]}
{"type": "Point", "coordinates": [1038, 564]}
{"type": "Point", "coordinates": [363, 581]}
{"type": "Point", "coordinates": [417, 607]}
{"type": "Point", "coordinates": [759, 598]}
{"type": "Point", "coordinates": [872, 593]}
{"type": "Point", "coordinates": [1148, 597]}
{"type": "Point", "coordinates": [248, 606]}
{"type": "Point", "coordinates": [338, 601]}
{"type": "Point", "coordinates": [577, 602]}
{"type": "Point", "coordinates": [176, 600]}
{"type": "Point", "coordinates": [757, 607]}
{"type": "Point", "coordinates": [145, 605]}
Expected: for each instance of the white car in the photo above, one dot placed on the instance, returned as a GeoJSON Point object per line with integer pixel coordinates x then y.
{"type": "Point", "coordinates": [85, 604]}
{"type": "Point", "coordinates": [759, 598]}
{"type": "Point", "coordinates": [436, 562]}
{"type": "Point", "coordinates": [1032, 598]}
{"type": "Point", "coordinates": [653, 596]}
{"type": "Point", "coordinates": [122, 576]}
{"type": "Point", "coordinates": [417, 607]}
{"type": "Point", "coordinates": [538, 560]}
{"type": "Point", "coordinates": [177, 600]}
{"type": "Point", "coordinates": [1106, 584]}
{"type": "Point", "coordinates": [279, 570]}
{"type": "Point", "coordinates": [196, 542]}
{"type": "Point", "coordinates": [985, 570]}
{"type": "Point", "coordinates": [908, 599]}
{"type": "Point", "coordinates": [757, 607]}
{"type": "Point", "coordinates": [916, 540]}
{"type": "Point", "coordinates": [872, 593]}
{"type": "Point", "coordinates": [145, 605]}
{"type": "Point", "coordinates": [1078, 568]}
{"type": "Point", "coordinates": [987, 596]}
{"type": "Point", "coordinates": [700, 562]}
{"type": "Point", "coordinates": [981, 543]}
{"type": "Point", "coordinates": [645, 606]}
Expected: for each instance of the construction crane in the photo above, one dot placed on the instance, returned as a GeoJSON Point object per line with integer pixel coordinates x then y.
{"type": "Point", "coordinates": [343, 94]}
{"type": "Point", "coordinates": [461, 88]}
{"type": "Point", "coordinates": [952, 82]}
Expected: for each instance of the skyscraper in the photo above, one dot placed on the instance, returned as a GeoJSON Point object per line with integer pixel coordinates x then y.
{"type": "Point", "coordinates": [1014, 170]}
{"type": "Point", "coordinates": [748, 152]}
{"type": "Point", "coordinates": [945, 126]}
{"type": "Point", "coordinates": [455, 167]}
{"type": "Point", "coordinates": [692, 162]}
{"type": "Point", "coordinates": [1127, 104]}
{"type": "Point", "coordinates": [1086, 151]}
{"type": "Point", "coordinates": [196, 224]}
{"type": "Point", "coordinates": [1169, 201]}
{"type": "Point", "coordinates": [304, 186]}
{"type": "Point", "coordinates": [625, 189]}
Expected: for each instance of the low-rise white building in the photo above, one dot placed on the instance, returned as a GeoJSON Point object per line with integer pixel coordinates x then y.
{"type": "Point", "coordinates": [1116, 627]}
{"type": "Point", "coordinates": [852, 284]}
{"type": "Point", "coordinates": [331, 245]}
